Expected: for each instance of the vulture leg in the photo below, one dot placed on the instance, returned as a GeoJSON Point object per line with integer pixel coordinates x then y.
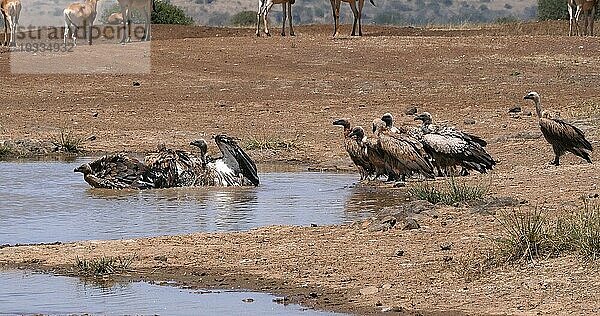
{"type": "Point", "coordinates": [557, 154]}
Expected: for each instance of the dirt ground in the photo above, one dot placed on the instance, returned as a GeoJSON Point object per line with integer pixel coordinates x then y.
{"type": "Point", "coordinates": [289, 89]}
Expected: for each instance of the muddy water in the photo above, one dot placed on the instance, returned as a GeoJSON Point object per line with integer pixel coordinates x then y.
{"type": "Point", "coordinates": [48, 202]}
{"type": "Point", "coordinates": [26, 293]}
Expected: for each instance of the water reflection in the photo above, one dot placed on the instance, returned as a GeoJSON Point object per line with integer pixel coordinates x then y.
{"type": "Point", "coordinates": [26, 293]}
{"type": "Point", "coordinates": [47, 202]}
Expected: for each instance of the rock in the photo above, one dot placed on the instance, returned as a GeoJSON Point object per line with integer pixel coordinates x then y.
{"type": "Point", "coordinates": [399, 184]}
{"type": "Point", "coordinates": [469, 121]}
{"type": "Point", "coordinates": [248, 300]}
{"type": "Point", "coordinates": [313, 295]}
{"type": "Point", "coordinates": [369, 290]}
{"type": "Point", "coordinates": [411, 223]}
{"type": "Point", "coordinates": [447, 258]}
{"type": "Point", "coordinates": [446, 246]}
{"type": "Point", "coordinates": [393, 309]}
{"type": "Point", "coordinates": [136, 83]}
{"type": "Point", "coordinates": [95, 114]}
{"type": "Point", "coordinates": [386, 286]}
{"type": "Point", "coordinates": [514, 109]}
{"type": "Point", "coordinates": [313, 225]}
{"type": "Point", "coordinates": [411, 110]}
{"type": "Point", "coordinates": [161, 258]}
{"type": "Point", "coordinates": [383, 224]}
{"type": "Point", "coordinates": [399, 253]}
{"type": "Point", "coordinates": [384, 219]}
{"type": "Point", "coordinates": [281, 300]}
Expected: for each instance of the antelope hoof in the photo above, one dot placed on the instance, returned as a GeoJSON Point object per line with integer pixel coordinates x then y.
{"type": "Point", "coordinates": [282, 33]}
{"type": "Point", "coordinates": [268, 34]}
{"type": "Point", "coordinates": [292, 34]}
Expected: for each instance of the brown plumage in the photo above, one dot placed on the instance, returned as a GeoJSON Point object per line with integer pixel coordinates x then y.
{"type": "Point", "coordinates": [403, 154]}
{"type": "Point", "coordinates": [357, 153]}
{"type": "Point", "coordinates": [170, 168]}
{"type": "Point", "coordinates": [561, 135]}
{"type": "Point", "coordinates": [116, 171]}
{"type": "Point", "coordinates": [372, 152]}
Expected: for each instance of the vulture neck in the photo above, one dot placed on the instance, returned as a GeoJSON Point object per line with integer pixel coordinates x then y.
{"type": "Point", "coordinates": [538, 107]}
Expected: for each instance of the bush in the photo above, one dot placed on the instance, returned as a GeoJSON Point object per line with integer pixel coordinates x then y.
{"type": "Point", "coordinates": [167, 13]}
{"type": "Point", "coordinates": [552, 10]}
{"type": "Point", "coordinates": [244, 18]}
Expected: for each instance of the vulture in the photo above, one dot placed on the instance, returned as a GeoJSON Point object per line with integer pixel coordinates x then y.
{"type": "Point", "coordinates": [561, 135]}
{"type": "Point", "coordinates": [116, 171]}
{"type": "Point", "coordinates": [373, 154]}
{"type": "Point", "coordinates": [169, 168]}
{"type": "Point", "coordinates": [403, 154]}
{"type": "Point", "coordinates": [389, 123]}
{"type": "Point", "coordinates": [449, 147]}
{"type": "Point", "coordinates": [233, 168]}
{"type": "Point", "coordinates": [355, 150]}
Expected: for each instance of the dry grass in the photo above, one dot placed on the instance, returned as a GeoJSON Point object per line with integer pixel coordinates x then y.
{"type": "Point", "coordinates": [103, 266]}
{"type": "Point", "coordinates": [68, 142]}
{"type": "Point", "coordinates": [452, 192]}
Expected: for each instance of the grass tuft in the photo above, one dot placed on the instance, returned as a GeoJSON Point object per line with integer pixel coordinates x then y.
{"type": "Point", "coordinates": [271, 144]}
{"type": "Point", "coordinates": [526, 235]}
{"type": "Point", "coordinates": [103, 266]}
{"type": "Point", "coordinates": [453, 192]}
{"type": "Point", "coordinates": [68, 142]}
{"type": "Point", "coordinates": [5, 151]}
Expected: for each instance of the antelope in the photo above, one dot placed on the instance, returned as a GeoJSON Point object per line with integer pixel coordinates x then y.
{"type": "Point", "coordinates": [80, 15]}
{"type": "Point", "coordinates": [10, 11]}
{"type": "Point", "coordinates": [576, 8]}
{"type": "Point", "coordinates": [264, 6]}
{"type": "Point", "coordinates": [146, 7]}
{"type": "Point", "coordinates": [335, 6]}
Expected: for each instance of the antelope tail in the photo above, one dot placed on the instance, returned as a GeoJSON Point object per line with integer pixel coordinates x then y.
{"type": "Point", "coordinates": [373, 3]}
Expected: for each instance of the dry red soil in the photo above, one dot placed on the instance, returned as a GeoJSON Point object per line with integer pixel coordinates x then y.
{"type": "Point", "coordinates": [209, 80]}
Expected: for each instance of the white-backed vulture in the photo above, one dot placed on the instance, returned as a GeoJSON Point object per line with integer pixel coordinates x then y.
{"type": "Point", "coordinates": [357, 153]}
{"type": "Point", "coordinates": [450, 147]}
{"type": "Point", "coordinates": [371, 151]}
{"type": "Point", "coordinates": [561, 135]}
{"type": "Point", "coordinates": [169, 168]}
{"type": "Point", "coordinates": [389, 122]}
{"type": "Point", "coordinates": [116, 171]}
{"type": "Point", "coordinates": [233, 168]}
{"type": "Point", "coordinates": [403, 154]}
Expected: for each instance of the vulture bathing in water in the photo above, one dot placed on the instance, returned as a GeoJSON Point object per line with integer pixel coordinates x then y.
{"type": "Point", "coordinates": [561, 135]}
{"type": "Point", "coordinates": [449, 147]}
{"type": "Point", "coordinates": [174, 168]}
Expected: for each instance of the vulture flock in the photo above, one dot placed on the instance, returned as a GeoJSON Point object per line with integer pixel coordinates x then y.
{"type": "Point", "coordinates": [431, 150]}
{"type": "Point", "coordinates": [425, 151]}
{"type": "Point", "coordinates": [169, 168]}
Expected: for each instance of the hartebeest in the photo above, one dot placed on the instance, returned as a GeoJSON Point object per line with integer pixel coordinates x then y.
{"type": "Point", "coordinates": [80, 15]}
{"type": "Point", "coordinates": [335, 6]}
{"type": "Point", "coordinates": [10, 11]}
{"type": "Point", "coordinates": [145, 7]}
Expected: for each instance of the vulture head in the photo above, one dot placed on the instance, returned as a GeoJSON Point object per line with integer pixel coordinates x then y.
{"type": "Point", "coordinates": [378, 126]}
{"type": "Point", "coordinates": [201, 144]}
{"type": "Point", "coordinates": [424, 117]}
{"type": "Point", "coordinates": [342, 122]}
{"type": "Point", "coordinates": [532, 96]}
{"type": "Point", "coordinates": [388, 119]}
{"type": "Point", "coordinates": [357, 132]}
{"type": "Point", "coordinates": [85, 169]}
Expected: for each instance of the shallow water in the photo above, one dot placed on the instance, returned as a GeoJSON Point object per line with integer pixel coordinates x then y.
{"type": "Point", "coordinates": [32, 293]}
{"type": "Point", "coordinates": [48, 202]}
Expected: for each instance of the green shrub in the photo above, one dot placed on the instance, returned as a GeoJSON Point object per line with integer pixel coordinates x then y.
{"type": "Point", "coordinates": [67, 142]}
{"type": "Point", "coordinates": [103, 266]}
{"type": "Point", "coordinates": [552, 10]}
{"type": "Point", "coordinates": [526, 235]}
{"type": "Point", "coordinates": [244, 18]}
{"type": "Point", "coordinates": [167, 13]}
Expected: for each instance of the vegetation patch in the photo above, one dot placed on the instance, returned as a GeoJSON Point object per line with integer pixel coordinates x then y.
{"type": "Point", "coordinates": [530, 235]}
{"type": "Point", "coordinates": [103, 266]}
{"type": "Point", "coordinates": [164, 13]}
{"type": "Point", "coordinates": [272, 143]}
{"type": "Point", "coordinates": [5, 151]}
{"type": "Point", "coordinates": [449, 193]}
{"type": "Point", "coordinates": [68, 142]}
{"type": "Point", "coordinates": [244, 18]}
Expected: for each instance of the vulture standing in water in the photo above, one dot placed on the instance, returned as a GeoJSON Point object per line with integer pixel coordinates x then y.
{"type": "Point", "coordinates": [561, 135]}
{"type": "Point", "coordinates": [233, 168]}
{"type": "Point", "coordinates": [402, 154]}
{"type": "Point", "coordinates": [450, 147]}
{"type": "Point", "coordinates": [370, 147]}
{"type": "Point", "coordinates": [357, 153]}
{"type": "Point", "coordinates": [116, 171]}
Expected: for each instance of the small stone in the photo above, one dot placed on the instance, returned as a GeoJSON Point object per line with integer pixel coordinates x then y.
{"type": "Point", "coordinates": [399, 253]}
{"type": "Point", "coordinates": [136, 83]}
{"type": "Point", "coordinates": [95, 114]}
{"type": "Point", "coordinates": [411, 223]}
{"type": "Point", "coordinates": [386, 286]}
{"type": "Point", "coordinates": [369, 290]}
{"type": "Point", "coordinates": [313, 295]}
{"type": "Point", "coordinates": [281, 300]}
{"type": "Point", "coordinates": [399, 184]}
{"type": "Point", "coordinates": [515, 109]}
{"type": "Point", "coordinates": [161, 258]}
{"type": "Point", "coordinates": [446, 246]}
{"type": "Point", "coordinates": [469, 121]}
{"type": "Point", "coordinates": [313, 225]}
{"type": "Point", "coordinates": [393, 309]}
{"type": "Point", "coordinates": [378, 303]}
{"type": "Point", "coordinates": [248, 300]}
{"type": "Point", "coordinates": [447, 258]}
{"type": "Point", "coordinates": [411, 110]}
